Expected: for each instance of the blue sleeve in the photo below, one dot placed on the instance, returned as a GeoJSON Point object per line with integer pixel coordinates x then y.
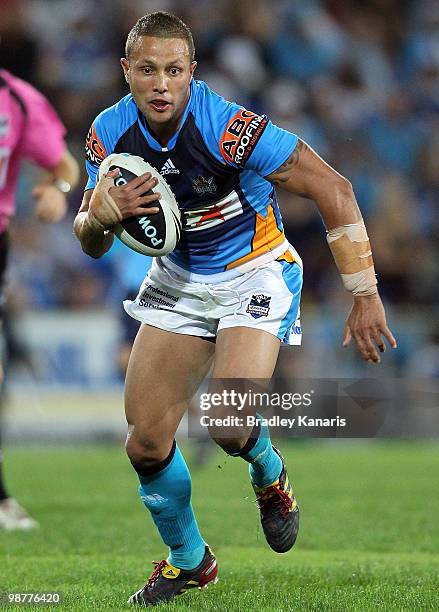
{"type": "Point", "coordinates": [271, 150]}
{"type": "Point", "coordinates": [104, 134]}
{"type": "Point", "coordinates": [97, 148]}
{"type": "Point", "coordinates": [238, 137]}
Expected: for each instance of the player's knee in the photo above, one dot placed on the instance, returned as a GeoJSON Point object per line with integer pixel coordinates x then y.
{"type": "Point", "coordinates": [144, 454]}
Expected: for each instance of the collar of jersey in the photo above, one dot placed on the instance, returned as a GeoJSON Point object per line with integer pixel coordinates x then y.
{"type": "Point", "coordinates": [171, 143]}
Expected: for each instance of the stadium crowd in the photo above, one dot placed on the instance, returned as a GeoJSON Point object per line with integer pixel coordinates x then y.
{"type": "Point", "coordinates": [356, 79]}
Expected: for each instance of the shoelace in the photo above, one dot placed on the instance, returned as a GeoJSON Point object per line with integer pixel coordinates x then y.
{"type": "Point", "coordinates": [283, 499]}
{"type": "Point", "coordinates": [159, 566]}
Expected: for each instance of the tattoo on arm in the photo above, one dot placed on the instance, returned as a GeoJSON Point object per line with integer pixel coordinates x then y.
{"type": "Point", "coordinates": [282, 174]}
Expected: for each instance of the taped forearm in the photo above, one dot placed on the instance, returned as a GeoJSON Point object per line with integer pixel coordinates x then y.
{"type": "Point", "coordinates": [103, 212]}
{"type": "Point", "coordinates": [350, 248]}
{"type": "Point", "coordinates": [98, 214]}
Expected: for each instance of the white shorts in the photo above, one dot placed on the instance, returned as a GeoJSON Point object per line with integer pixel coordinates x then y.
{"type": "Point", "coordinates": [267, 297]}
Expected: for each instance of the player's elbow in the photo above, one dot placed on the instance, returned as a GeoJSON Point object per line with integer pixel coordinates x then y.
{"type": "Point", "coordinates": [88, 246]}
{"type": "Point", "coordinates": [340, 192]}
{"type": "Point", "coordinates": [330, 186]}
{"type": "Point", "coordinates": [91, 253]}
{"type": "Point", "coordinates": [92, 249]}
{"type": "Point", "coordinates": [344, 187]}
{"type": "Point", "coordinates": [335, 199]}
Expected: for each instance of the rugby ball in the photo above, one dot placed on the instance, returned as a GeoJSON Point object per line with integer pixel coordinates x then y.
{"type": "Point", "coordinates": [154, 235]}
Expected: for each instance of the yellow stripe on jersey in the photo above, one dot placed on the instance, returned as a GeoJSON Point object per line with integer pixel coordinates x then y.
{"type": "Point", "coordinates": [267, 236]}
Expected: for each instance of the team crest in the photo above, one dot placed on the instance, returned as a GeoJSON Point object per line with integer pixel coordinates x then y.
{"type": "Point", "coordinates": [259, 305]}
{"type": "Point", "coordinates": [203, 185]}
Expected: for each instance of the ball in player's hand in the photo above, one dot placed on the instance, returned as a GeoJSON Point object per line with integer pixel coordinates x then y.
{"type": "Point", "coordinates": [154, 235]}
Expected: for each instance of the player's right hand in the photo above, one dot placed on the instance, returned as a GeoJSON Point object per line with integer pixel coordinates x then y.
{"type": "Point", "coordinates": [367, 324]}
{"type": "Point", "coordinates": [110, 204]}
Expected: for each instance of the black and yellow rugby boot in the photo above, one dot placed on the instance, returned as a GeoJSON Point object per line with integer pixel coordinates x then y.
{"type": "Point", "coordinates": [167, 581]}
{"type": "Point", "coordinates": [279, 511]}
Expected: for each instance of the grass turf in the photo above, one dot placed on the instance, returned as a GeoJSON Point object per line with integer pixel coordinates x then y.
{"type": "Point", "coordinates": [369, 534]}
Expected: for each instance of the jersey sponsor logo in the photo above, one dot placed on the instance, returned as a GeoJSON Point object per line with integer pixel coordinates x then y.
{"type": "Point", "coordinates": [202, 185]}
{"type": "Point", "coordinates": [169, 168]}
{"type": "Point", "coordinates": [259, 305]}
{"type": "Point", "coordinates": [210, 215]}
{"type": "Point", "coordinates": [241, 136]}
{"type": "Point", "coordinates": [94, 149]}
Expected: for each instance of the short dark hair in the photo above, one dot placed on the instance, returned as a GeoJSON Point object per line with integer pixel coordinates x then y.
{"type": "Point", "coordinates": [160, 25]}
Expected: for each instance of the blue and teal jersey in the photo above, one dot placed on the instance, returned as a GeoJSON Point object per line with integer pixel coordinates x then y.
{"type": "Point", "coordinates": [216, 165]}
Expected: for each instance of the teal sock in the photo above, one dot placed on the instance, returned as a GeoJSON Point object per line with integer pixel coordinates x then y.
{"type": "Point", "coordinates": [265, 464]}
{"type": "Point", "coordinates": [167, 494]}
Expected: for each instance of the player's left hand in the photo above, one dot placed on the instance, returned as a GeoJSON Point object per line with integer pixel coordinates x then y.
{"type": "Point", "coordinates": [51, 203]}
{"type": "Point", "coordinates": [367, 324]}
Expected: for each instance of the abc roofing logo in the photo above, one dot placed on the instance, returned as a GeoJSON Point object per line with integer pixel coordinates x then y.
{"type": "Point", "coordinates": [259, 305]}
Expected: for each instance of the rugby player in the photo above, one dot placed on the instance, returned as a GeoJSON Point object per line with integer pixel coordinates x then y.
{"type": "Point", "coordinates": [30, 129]}
{"type": "Point", "coordinates": [233, 278]}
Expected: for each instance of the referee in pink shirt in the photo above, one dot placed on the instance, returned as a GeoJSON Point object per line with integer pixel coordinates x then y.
{"type": "Point", "coordinates": [31, 129]}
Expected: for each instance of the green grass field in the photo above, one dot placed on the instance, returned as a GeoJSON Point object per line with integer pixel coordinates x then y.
{"type": "Point", "coordinates": [369, 536]}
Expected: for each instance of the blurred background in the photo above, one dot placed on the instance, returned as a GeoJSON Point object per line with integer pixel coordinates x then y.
{"type": "Point", "coordinates": [356, 79]}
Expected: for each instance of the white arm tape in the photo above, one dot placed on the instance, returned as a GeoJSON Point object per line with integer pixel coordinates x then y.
{"type": "Point", "coordinates": [356, 232]}
{"type": "Point", "coordinates": [104, 213]}
{"type": "Point", "coordinates": [361, 283]}
{"type": "Point", "coordinates": [350, 247]}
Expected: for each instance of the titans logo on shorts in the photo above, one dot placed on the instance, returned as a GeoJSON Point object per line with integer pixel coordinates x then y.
{"type": "Point", "coordinates": [259, 305]}
{"type": "Point", "coordinates": [215, 165]}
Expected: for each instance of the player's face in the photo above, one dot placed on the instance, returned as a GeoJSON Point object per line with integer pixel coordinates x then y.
{"type": "Point", "coordinates": [159, 72]}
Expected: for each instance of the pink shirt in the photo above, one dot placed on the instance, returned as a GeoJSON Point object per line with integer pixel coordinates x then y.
{"type": "Point", "coordinates": [30, 128]}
